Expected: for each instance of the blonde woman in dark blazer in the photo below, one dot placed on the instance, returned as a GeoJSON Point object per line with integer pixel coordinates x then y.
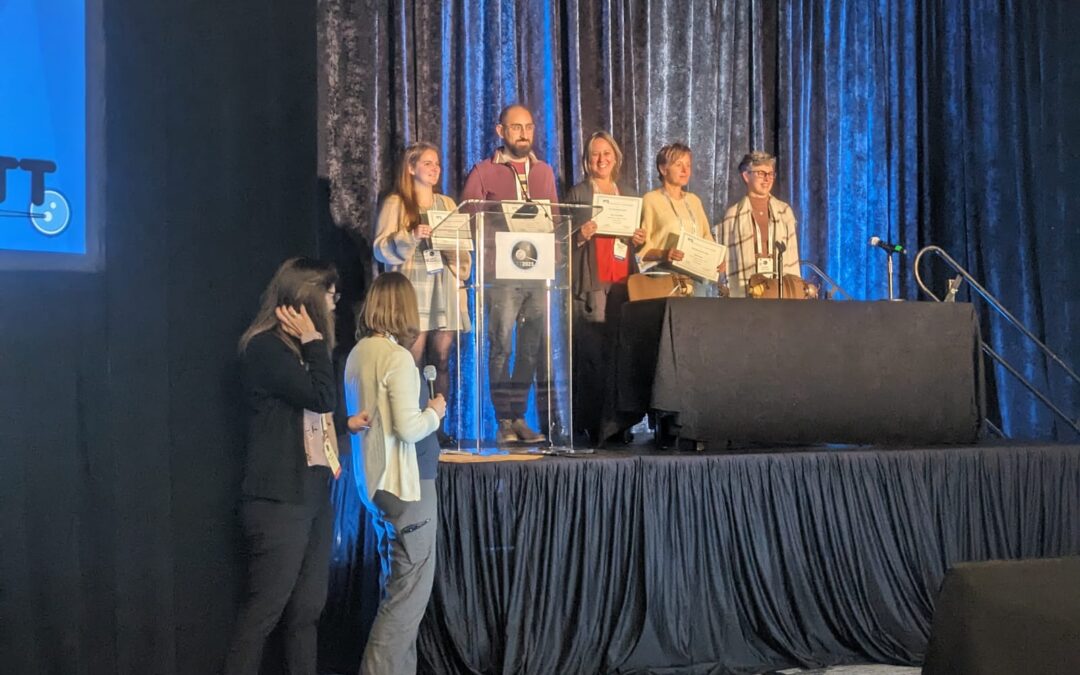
{"type": "Point", "coordinates": [601, 265]}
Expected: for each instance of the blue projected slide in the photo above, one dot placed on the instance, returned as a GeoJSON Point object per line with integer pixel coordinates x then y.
{"type": "Point", "coordinates": [43, 127]}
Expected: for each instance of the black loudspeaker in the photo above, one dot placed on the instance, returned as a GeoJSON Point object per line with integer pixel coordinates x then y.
{"type": "Point", "coordinates": [1007, 618]}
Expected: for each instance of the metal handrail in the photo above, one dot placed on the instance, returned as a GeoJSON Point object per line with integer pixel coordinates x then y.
{"type": "Point", "coordinates": [986, 295]}
{"type": "Point", "coordinates": [832, 282]}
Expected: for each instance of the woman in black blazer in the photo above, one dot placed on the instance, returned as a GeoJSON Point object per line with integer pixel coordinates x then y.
{"type": "Point", "coordinates": [601, 266]}
{"type": "Point", "coordinates": [290, 391]}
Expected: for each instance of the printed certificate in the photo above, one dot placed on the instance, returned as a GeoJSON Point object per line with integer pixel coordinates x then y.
{"type": "Point", "coordinates": [620, 217]}
{"type": "Point", "coordinates": [701, 256]}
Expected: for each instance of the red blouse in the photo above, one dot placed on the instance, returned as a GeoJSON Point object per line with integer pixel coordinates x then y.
{"type": "Point", "coordinates": [608, 268]}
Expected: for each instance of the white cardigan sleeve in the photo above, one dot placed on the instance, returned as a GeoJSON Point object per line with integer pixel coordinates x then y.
{"type": "Point", "coordinates": [407, 421]}
{"type": "Point", "coordinates": [392, 245]}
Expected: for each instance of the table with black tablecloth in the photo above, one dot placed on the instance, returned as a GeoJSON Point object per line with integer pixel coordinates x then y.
{"type": "Point", "coordinates": [786, 371]}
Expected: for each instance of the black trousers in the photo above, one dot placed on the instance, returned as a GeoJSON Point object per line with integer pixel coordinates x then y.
{"type": "Point", "coordinates": [288, 547]}
{"type": "Point", "coordinates": [596, 325]}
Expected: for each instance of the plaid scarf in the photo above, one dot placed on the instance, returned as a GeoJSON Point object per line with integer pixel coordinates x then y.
{"type": "Point", "coordinates": [737, 232]}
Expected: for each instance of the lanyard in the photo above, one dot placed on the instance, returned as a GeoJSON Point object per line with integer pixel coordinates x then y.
{"type": "Point", "coordinates": [682, 226]}
{"type": "Point", "coordinates": [760, 247]}
{"type": "Point", "coordinates": [522, 182]}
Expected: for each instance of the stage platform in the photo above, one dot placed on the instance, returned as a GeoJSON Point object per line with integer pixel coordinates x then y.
{"type": "Point", "coordinates": [641, 561]}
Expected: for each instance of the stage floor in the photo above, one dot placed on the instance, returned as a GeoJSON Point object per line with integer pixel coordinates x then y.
{"type": "Point", "coordinates": [643, 444]}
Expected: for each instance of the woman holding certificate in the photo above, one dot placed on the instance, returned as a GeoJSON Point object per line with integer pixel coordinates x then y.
{"type": "Point", "coordinates": [603, 259]}
{"type": "Point", "coordinates": [670, 211]}
{"type": "Point", "coordinates": [403, 244]}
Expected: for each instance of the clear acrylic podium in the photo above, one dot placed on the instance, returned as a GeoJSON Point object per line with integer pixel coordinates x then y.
{"type": "Point", "coordinates": [518, 359]}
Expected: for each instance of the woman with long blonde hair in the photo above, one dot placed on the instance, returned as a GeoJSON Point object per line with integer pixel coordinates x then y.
{"type": "Point", "coordinates": [403, 244]}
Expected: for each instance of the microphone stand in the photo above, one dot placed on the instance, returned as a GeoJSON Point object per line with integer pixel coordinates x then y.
{"type": "Point", "coordinates": [889, 271]}
{"type": "Point", "coordinates": [779, 247]}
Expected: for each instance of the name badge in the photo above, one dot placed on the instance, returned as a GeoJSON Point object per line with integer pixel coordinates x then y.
{"type": "Point", "coordinates": [620, 249]}
{"type": "Point", "coordinates": [330, 446]}
{"type": "Point", "coordinates": [332, 457]}
{"type": "Point", "coordinates": [765, 265]}
{"type": "Point", "coordinates": [433, 261]}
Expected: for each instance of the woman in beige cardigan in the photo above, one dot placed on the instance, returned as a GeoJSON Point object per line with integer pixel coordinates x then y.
{"type": "Point", "coordinates": [396, 460]}
{"type": "Point", "coordinates": [403, 244]}
{"type": "Point", "coordinates": [670, 210]}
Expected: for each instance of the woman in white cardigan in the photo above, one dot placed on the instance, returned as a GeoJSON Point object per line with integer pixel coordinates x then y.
{"type": "Point", "coordinates": [397, 457]}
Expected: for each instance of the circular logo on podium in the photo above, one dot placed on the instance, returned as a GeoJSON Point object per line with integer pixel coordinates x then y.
{"type": "Point", "coordinates": [524, 255]}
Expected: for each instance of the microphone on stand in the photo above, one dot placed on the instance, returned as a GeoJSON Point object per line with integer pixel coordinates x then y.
{"type": "Point", "coordinates": [429, 375]}
{"type": "Point", "coordinates": [890, 249]}
{"type": "Point", "coordinates": [886, 246]}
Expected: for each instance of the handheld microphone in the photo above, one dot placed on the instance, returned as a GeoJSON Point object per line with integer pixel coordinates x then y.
{"type": "Point", "coordinates": [425, 220]}
{"type": "Point", "coordinates": [780, 246]}
{"type": "Point", "coordinates": [429, 375]}
{"type": "Point", "coordinates": [886, 246]}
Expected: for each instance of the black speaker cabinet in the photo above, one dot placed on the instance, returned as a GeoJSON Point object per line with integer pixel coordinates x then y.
{"type": "Point", "coordinates": [1007, 617]}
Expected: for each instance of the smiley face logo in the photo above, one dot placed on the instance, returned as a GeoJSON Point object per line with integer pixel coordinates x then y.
{"type": "Point", "coordinates": [52, 216]}
{"type": "Point", "coordinates": [524, 255]}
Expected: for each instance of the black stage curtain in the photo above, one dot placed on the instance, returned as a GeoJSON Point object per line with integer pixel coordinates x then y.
{"type": "Point", "coordinates": [868, 372]}
{"type": "Point", "coordinates": [120, 441]}
{"type": "Point", "coordinates": [726, 563]}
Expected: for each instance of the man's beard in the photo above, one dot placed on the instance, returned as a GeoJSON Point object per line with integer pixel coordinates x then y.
{"type": "Point", "coordinates": [517, 153]}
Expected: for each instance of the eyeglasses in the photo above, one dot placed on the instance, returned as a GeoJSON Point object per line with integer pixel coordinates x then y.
{"type": "Point", "coordinates": [335, 296]}
{"type": "Point", "coordinates": [763, 175]}
{"type": "Point", "coordinates": [518, 128]}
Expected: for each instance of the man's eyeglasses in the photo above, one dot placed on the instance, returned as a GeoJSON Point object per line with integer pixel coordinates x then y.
{"type": "Point", "coordinates": [335, 296]}
{"type": "Point", "coordinates": [763, 175]}
{"type": "Point", "coordinates": [518, 128]}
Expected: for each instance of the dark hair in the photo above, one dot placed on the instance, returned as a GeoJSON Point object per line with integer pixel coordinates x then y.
{"type": "Point", "coordinates": [297, 282]}
{"type": "Point", "coordinates": [390, 307]}
{"type": "Point", "coordinates": [506, 111]}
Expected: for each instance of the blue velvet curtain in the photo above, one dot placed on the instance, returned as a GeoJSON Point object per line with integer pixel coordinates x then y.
{"type": "Point", "coordinates": [947, 123]}
{"type": "Point", "coordinates": [921, 122]}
